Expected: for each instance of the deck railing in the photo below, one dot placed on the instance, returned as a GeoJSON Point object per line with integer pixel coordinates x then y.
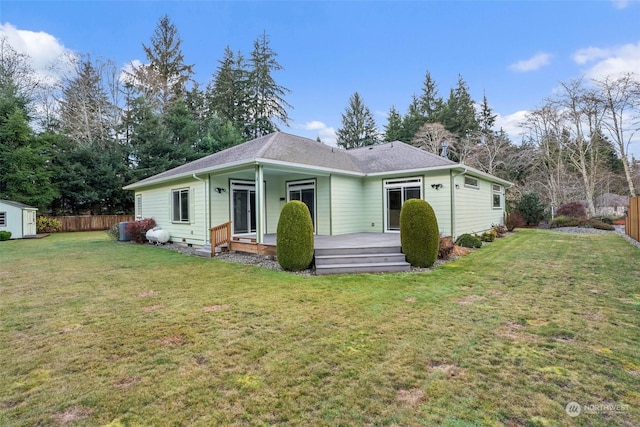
{"type": "Point", "coordinates": [220, 234]}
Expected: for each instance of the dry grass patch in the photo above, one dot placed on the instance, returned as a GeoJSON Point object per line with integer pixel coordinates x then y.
{"type": "Point", "coordinates": [150, 308]}
{"type": "Point", "coordinates": [411, 397]}
{"type": "Point", "coordinates": [469, 299]}
{"type": "Point", "coordinates": [212, 308]}
{"type": "Point", "coordinates": [147, 294]}
{"type": "Point", "coordinates": [72, 415]}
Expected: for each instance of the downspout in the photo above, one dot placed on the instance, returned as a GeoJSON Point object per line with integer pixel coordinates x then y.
{"type": "Point", "coordinates": [453, 202]}
{"type": "Point", "coordinates": [206, 209]}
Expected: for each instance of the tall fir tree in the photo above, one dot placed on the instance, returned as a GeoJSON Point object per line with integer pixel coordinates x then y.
{"type": "Point", "coordinates": [393, 129]}
{"type": "Point", "coordinates": [266, 98]}
{"type": "Point", "coordinates": [459, 114]}
{"type": "Point", "coordinates": [164, 78]}
{"type": "Point", "coordinates": [358, 125]}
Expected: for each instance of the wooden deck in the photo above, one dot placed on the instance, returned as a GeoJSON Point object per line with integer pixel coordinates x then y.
{"type": "Point", "coordinates": [247, 243]}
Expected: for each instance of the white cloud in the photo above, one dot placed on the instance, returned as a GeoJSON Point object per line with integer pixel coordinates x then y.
{"type": "Point", "coordinates": [316, 128]}
{"type": "Point", "coordinates": [536, 62]}
{"type": "Point", "coordinates": [620, 4]}
{"type": "Point", "coordinates": [512, 125]}
{"type": "Point", "coordinates": [610, 61]}
{"type": "Point", "coordinates": [48, 57]}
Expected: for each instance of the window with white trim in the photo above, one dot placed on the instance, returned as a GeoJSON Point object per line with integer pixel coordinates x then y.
{"type": "Point", "coordinates": [3, 219]}
{"type": "Point", "coordinates": [471, 182]}
{"type": "Point", "coordinates": [497, 196]}
{"type": "Point", "coordinates": [180, 205]}
{"type": "Point", "coordinates": [396, 192]}
{"type": "Point", "coordinates": [138, 206]}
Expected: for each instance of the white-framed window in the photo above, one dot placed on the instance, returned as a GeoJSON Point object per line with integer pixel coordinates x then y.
{"type": "Point", "coordinates": [138, 207]}
{"type": "Point", "coordinates": [305, 192]}
{"type": "Point", "coordinates": [180, 205]}
{"type": "Point", "coordinates": [3, 219]}
{"type": "Point", "coordinates": [496, 195]}
{"type": "Point", "coordinates": [396, 192]}
{"type": "Point", "coordinates": [471, 182]}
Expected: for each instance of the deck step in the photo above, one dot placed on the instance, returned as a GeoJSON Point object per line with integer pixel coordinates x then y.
{"type": "Point", "coordinates": [372, 259]}
{"type": "Point", "coordinates": [382, 267]}
{"type": "Point", "coordinates": [358, 251]}
{"type": "Point", "coordinates": [359, 258]}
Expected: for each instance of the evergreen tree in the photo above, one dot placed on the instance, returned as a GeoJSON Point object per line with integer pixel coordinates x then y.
{"type": "Point", "coordinates": [358, 125]}
{"type": "Point", "coordinates": [393, 130]}
{"type": "Point", "coordinates": [266, 98]}
{"type": "Point", "coordinates": [430, 104]}
{"type": "Point", "coordinates": [227, 95]}
{"type": "Point", "coordinates": [412, 120]}
{"type": "Point", "coordinates": [164, 79]}
{"type": "Point", "coordinates": [459, 115]}
{"type": "Point", "coordinates": [487, 119]}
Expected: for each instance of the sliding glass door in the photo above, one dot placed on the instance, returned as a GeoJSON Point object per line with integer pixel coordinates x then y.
{"type": "Point", "coordinates": [304, 191]}
{"type": "Point", "coordinates": [396, 193]}
{"type": "Point", "coordinates": [243, 201]}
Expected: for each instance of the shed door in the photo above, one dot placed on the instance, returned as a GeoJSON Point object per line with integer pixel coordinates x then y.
{"type": "Point", "coordinates": [29, 222]}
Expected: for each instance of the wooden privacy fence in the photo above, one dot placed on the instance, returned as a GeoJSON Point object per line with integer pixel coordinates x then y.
{"type": "Point", "coordinates": [91, 222]}
{"type": "Point", "coordinates": [632, 224]}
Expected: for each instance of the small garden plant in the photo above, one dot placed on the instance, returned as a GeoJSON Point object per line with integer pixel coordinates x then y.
{"type": "Point", "coordinates": [294, 244]}
{"type": "Point", "coordinates": [48, 225]}
{"type": "Point", "coordinates": [419, 234]}
{"type": "Point", "coordinates": [138, 229]}
{"type": "Point", "coordinates": [469, 241]}
{"type": "Point", "coordinates": [5, 235]}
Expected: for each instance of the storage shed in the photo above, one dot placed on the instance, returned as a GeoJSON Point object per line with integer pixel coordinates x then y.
{"type": "Point", "coordinates": [17, 218]}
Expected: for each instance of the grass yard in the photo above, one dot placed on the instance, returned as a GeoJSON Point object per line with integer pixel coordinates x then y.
{"type": "Point", "coordinates": [96, 333]}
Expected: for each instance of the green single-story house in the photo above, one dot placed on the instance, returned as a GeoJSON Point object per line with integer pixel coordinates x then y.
{"type": "Point", "coordinates": [347, 191]}
{"type": "Point", "coordinates": [17, 218]}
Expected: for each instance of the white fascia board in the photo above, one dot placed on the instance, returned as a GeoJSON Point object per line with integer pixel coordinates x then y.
{"type": "Point", "coordinates": [219, 168]}
{"type": "Point", "coordinates": [306, 168]}
{"type": "Point", "coordinates": [460, 167]}
{"type": "Point", "coordinates": [419, 171]}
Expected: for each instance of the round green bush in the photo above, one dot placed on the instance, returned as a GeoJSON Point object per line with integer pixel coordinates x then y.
{"type": "Point", "coordinates": [5, 235]}
{"type": "Point", "coordinates": [469, 241]}
{"type": "Point", "coordinates": [294, 239]}
{"type": "Point", "coordinates": [419, 233]}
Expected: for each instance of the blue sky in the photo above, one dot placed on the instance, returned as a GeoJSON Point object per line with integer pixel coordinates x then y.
{"type": "Point", "coordinates": [515, 52]}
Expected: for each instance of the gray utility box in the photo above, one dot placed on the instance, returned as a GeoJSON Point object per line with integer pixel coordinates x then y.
{"type": "Point", "coordinates": [122, 232]}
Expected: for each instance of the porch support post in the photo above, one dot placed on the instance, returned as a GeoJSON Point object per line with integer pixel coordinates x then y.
{"type": "Point", "coordinates": [260, 197]}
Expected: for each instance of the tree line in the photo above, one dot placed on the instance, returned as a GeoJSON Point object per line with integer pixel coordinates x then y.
{"type": "Point", "coordinates": [575, 147]}
{"type": "Point", "coordinates": [69, 148]}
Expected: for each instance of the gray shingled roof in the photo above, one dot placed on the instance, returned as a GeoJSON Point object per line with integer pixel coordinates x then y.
{"type": "Point", "coordinates": [395, 156]}
{"type": "Point", "coordinates": [291, 149]}
{"type": "Point", "coordinates": [17, 204]}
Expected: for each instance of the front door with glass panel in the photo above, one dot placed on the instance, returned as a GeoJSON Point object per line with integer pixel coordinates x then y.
{"type": "Point", "coordinates": [396, 193]}
{"type": "Point", "coordinates": [243, 199]}
{"type": "Point", "coordinates": [304, 191]}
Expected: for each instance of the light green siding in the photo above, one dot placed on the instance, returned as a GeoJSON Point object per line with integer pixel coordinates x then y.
{"type": "Point", "coordinates": [474, 207]}
{"type": "Point", "coordinates": [346, 205]}
{"type": "Point", "coordinates": [440, 199]}
{"type": "Point", "coordinates": [372, 211]}
{"type": "Point", "coordinates": [156, 204]}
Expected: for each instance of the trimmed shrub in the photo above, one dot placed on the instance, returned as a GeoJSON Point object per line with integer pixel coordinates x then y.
{"type": "Point", "coordinates": [138, 229]}
{"type": "Point", "coordinates": [531, 208]}
{"type": "Point", "coordinates": [488, 236]}
{"type": "Point", "coordinates": [419, 234]}
{"type": "Point", "coordinates": [5, 235]}
{"type": "Point", "coordinates": [48, 225]}
{"type": "Point", "coordinates": [469, 241]}
{"type": "Point", "coordinates": [513, 221]}
{"type": "Point", "coordinates": [565, 221]}
{"type": "Point", "coordinates": [294, 244]}
{"type": "Point", "coordinates": [572, 209]}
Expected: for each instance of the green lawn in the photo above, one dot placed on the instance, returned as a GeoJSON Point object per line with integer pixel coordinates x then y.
{"type": "Point", "coordinates": [100, 333]}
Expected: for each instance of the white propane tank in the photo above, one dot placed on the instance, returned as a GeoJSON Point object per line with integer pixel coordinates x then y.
{"type": "Point", "coordinates": [157, 235]}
